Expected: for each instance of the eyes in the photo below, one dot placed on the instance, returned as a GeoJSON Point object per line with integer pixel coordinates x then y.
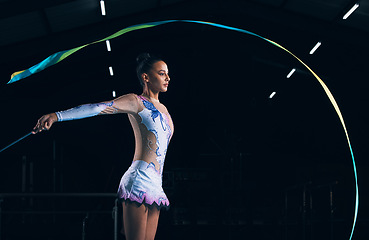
{"type": "Point", "coordinates": [161, 73]}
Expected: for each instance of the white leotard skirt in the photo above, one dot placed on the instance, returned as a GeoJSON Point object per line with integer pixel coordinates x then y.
{"type": "Point", "coordinates": [142, 184]}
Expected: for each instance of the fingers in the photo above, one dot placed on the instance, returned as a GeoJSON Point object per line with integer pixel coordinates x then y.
{"type": "Point", "coordinates": [46, 126]}
{"type": "Point", "coordinates": [36, 128]}
{"type": "Point", "coordinates": [42, 124]}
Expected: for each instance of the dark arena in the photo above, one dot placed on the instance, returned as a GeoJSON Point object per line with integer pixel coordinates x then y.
{"type": "Point", "coordinates": [223, 119]}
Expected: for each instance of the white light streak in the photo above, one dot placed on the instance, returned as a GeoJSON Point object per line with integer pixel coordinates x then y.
{"type": "Point", "coordinates": [272, 95]}
{"type": "Point", "coordinates": [292, 71]}
{"type": "Point", "coordinates": [102, 5]}
{"type": "Point", "coordinates": [351, 11]}
{"type": "Point", "coordinates": [114, 95]}
{"type": "Point", "coordinates": [315, 47]}
{"type": "Point", "coordinates": [111, 71]}
{"type": "Point", "coordinates": [108, 45]}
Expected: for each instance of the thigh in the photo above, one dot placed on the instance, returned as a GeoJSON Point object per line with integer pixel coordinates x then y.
{"type": "Point", "coordinates": [134, 221]}
{"type": "Point", "coordinates": [152, 223]}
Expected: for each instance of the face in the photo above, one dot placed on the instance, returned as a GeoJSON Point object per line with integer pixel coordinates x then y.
{"type": "Point", "coordinates": [157, 78]}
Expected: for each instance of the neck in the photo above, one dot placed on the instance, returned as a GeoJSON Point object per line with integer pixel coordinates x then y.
{"type": "Point", "coordinates": [150, 94]}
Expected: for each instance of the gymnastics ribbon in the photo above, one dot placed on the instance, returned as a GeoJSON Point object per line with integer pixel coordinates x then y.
{"type": "Point", "coordinates": [59, 56]}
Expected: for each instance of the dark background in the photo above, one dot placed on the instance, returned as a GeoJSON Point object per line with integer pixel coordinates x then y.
{"type": "Point", "coordinates": [240, 165]}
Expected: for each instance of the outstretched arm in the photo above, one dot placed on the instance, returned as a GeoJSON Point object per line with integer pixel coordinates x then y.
{"type": "Point", "coordinates": [124, 104]}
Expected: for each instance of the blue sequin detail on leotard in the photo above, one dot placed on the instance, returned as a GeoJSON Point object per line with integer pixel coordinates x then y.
{"type": "Point", "coordinates": [158, 124]}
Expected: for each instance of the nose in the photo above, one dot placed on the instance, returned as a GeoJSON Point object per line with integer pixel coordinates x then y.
{"type": "Point", "coordinates": [167, 77]}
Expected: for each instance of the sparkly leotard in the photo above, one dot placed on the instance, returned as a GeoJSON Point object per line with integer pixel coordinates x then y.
{"type": "Point", "coordinates": [142, 182]}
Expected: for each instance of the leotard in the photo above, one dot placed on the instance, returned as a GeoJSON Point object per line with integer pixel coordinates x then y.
{"type": "Point", "coordinates": [142, 182]}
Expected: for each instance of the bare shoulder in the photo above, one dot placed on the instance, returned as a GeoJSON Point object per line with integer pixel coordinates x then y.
{"type": "Point", "coordinates": [127, 103]}
{"type": "Point", "coordinates": [127, 97]}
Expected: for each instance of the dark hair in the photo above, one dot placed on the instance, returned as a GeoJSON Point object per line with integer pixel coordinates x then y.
{"type": "Point", "coordinates": [145, 61]}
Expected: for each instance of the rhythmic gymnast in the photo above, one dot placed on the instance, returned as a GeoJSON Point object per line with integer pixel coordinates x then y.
{"type": "Point", "coordinates": [140, 188]}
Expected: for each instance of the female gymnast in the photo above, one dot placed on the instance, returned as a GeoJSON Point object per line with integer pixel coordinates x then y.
{"type": "Point", "coordinates": [140, 188]}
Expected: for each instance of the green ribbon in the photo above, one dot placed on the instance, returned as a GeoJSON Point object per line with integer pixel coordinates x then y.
{"type": "Point", "coordinates": [59, 56]}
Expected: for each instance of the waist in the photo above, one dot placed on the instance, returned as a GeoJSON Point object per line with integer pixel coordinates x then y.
{"type": "Point", "coordinates": [142, 165]}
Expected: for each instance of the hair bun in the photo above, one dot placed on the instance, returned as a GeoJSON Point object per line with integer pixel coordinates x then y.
{"type": "Point", "coordinates": [143, 57]}
{"type": "Point", "coordinates": [145, 62]}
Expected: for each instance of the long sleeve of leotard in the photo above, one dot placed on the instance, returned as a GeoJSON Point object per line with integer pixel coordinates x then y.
{"type": "Point", "coordinates": [82, 111]}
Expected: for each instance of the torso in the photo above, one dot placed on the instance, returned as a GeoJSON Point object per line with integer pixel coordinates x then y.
{"type": "Point", "coordinates": [153, 129]}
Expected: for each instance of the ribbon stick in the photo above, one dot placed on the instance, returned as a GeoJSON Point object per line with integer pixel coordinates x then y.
{"type": "Point", "coordinates": [57, 57]}
{"type": "Point", "coordinates": [20, 139]}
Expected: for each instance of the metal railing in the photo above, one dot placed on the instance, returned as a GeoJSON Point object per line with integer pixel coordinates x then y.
{"type": "Point", "coordinates": [114, 212]}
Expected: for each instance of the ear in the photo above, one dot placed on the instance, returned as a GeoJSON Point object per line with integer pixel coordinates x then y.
{"type": "Point", "coordinates": [145, 77]}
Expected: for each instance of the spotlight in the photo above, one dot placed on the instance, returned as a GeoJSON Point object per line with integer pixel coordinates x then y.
{"type": "Point", "coordinates": [351, 11]}
{"type": "Point", "coordinates": [292, 71]}
{"type": "Point", "coordinates": [315, 47]}
{"type": "Point", "coordinates": [108, 45]}
{"type": "Point", "coordinates": [102, 5]}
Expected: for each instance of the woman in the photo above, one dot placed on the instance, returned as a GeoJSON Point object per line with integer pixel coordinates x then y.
{"type": "Point", "coordinates": [140, 188]}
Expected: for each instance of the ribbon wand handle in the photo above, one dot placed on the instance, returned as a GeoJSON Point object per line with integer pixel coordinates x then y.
{"type": "Point", "coordinates": [20, 139]}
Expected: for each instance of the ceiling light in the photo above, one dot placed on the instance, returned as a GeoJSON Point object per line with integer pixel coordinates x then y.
{"type": "Point", "coordinates": [292, 71]}
{"type": "Point", "coordinates": [102, 5]}
{"type": "Point", "coordinates": [351, 11]}
{"type": "Point", "coordinates": [114, 95]}
{"type": "Point", "coordinates": [111, 71]}
{"type": "Point", "coordinates": [272, 95]}
{"type": "Point", "coordinates": [315, 47]}
{"type": "Point", "coordinates": [108, 45]}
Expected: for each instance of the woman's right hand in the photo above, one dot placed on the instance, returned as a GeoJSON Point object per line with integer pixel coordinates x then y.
{"type": "Point", "coordinates": [45, 122]}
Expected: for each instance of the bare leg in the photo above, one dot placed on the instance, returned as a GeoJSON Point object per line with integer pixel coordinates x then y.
{"type": "Point", "coordinates": [152, 223]}
{"type": "Point", "coordinates": [122, 230]}
{"type": "Point", "coordinates": [135, 221]}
